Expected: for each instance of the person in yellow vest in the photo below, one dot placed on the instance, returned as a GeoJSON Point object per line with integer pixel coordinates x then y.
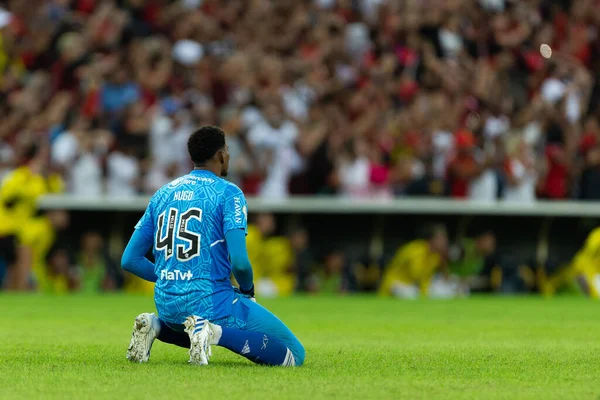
{"type": "Point", "coordinates": [261, 228]}
{"type": "Point", "coordinates": [277, 274]}
{"type": "Point", "coordinates": [37, 236]}
{"type": "Point", "coordinates": [272, 258]}
{"type": "Point", "coordinates": [21, 188]}
{"type": "Point", "coordinates": [411, 271]}
{"type": "Point", "coordinates": [586, 265]}
{"type": "Point", "coordinates": [582, 273]}
{"type": "Point", "coordinates": [19, 193]}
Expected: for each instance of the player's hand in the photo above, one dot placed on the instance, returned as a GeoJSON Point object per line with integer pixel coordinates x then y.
{"type": "Point", "coordinates": [249, 294]}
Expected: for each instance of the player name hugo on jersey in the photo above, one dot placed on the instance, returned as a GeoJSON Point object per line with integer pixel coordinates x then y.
{"type": "Point", "coordinates": [183, 195]}
{"type": "Point", "coordinates": [175, 275]}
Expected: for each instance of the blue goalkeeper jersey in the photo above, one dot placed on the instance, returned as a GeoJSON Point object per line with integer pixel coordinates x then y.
{"type": "Point", "coordinates": [187, 220]}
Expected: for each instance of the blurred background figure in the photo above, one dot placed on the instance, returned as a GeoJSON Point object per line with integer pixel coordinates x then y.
{"type": "Point", "coordinates": [581, 275]}
{"type": "Point", "coordinates": [96, 271]}
{"type": "Point", "coordinates": [60, 277]}
{"type": "Point", "coordinates": [471, 172]}
{"type": "Point", "coordinates": [272, 257]}
{"type": "Point", "coordinates": [303, 259]}
{"type": "Point", "coordinates": [520, 172]}
{"type": "Point", "coordinates": [468, 259]}
{"type": "Point", "coordinates": [334, 277]}
{"type": "Point", "coordinates": [589, 185]}
{"type": "Point", "coordinates": [366, 271]}
{"type": "Point", "coordinates": [20, 224]}
{"type": "Point", "coordinates": [415, 265]}
{"type": "Point", "coordinates": [37, 237]}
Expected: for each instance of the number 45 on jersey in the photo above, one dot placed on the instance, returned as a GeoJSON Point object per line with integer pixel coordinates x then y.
{"type": "Point", "coordinates": [191, 248]}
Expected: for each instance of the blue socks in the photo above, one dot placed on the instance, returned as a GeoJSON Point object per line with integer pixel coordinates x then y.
{"type": "Point", "coordinates": [256, 347]}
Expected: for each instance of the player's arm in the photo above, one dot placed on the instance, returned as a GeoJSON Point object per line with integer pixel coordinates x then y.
{"type": "Point", "coordinates": [235, 227]}
{"type": "Point", "coordinates": [238, 255]}
{"type": "Point", "coordinates": [134, 257]}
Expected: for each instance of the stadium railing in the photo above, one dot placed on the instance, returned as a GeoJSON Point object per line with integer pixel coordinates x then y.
{"type": "Point", "coordinates": [542, 230]}
{"type": "Point", "coordinates": [335, 205]}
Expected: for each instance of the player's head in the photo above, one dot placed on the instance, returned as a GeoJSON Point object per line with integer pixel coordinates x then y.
{"type": "Point", "coordinates": [208, 149]}
{"type": "Point", "coordinates": [265, 223]}
{"type": "Point", "coordinates": [299, 238]}
{"type": "Point", "coordinates": [486, 242]}
{"type": "Point", "coordinates": [34, 152]}
{"type": "Point", "coordinates": [437, 236]}
{"type": "Point", "coordinates": [59, 219]}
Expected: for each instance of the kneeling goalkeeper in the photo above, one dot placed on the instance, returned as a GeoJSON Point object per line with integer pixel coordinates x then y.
{"type": "Point", "coordinates": [196, 226]}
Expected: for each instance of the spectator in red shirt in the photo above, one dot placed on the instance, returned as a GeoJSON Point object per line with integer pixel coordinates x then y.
{"type": "Point", "coordinates": [557, 172]}
{"type": "Point", "coordinates": [463, 167]}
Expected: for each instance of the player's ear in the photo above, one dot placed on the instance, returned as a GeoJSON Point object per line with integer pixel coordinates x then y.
{"type": "Point", "coordinates": [221, 155]}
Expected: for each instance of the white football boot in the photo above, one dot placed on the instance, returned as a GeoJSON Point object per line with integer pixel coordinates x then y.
{"type": "Point", "coordinates": [201, 336]}
{"type": "Point", "coordinates": [145, 330]}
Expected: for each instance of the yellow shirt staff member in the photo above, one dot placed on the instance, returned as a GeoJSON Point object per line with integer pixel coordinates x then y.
{"type": "Point", "coordinates": [583, 271]}
{"type": "Point", "coordinates": [411, 270]}
{"type": "Point", "coordinates": [37, 236]}
{"type": "Point", "coordinates": [586, 265]}
{"type": "Point", "coordinates": [20, 191]}
{"type": "Point", "coordinates": [272, 258]}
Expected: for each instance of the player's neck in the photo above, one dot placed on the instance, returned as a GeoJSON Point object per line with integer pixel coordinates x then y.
{"type": "Point", "coordinates": [206, 168]}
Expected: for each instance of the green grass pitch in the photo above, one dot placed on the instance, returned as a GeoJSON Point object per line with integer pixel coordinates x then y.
{"type": "Point", "coordinates": [357, 348]}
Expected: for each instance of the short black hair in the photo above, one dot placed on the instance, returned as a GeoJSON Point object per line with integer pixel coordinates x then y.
{"type": "Point", "coordinates": [31, 151]}
{"type": "Point", "coordinates": [204, 143]}
{"type": "Point", "coordinates": [479, 231]}
{"type": "Point", "coordinates": [429, 231]}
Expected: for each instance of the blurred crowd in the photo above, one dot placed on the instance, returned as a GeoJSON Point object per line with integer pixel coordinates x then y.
{"type": "Point", "coordinates": [362, 98]}
{"type": "Point", "coordinates": [358, 98]}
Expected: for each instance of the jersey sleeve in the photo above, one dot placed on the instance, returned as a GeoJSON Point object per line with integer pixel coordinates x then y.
{"type": "Point", "coordinates": [146, 224]}
{"type": "Point", "coordinates": [235, 210]}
